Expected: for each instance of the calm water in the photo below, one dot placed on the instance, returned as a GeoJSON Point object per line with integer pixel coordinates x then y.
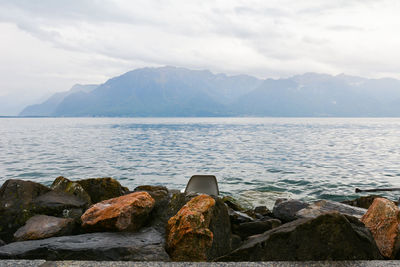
{"type": "Point", "coordinates": [256, 159]}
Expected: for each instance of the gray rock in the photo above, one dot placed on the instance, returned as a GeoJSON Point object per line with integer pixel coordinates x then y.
{"type": "Point", "coordinates": [63, 184]}
{"type": "Point", "coordinates": [58, 203]}
{"type": "Point", "coordinates": [286, 209]}
{"type": "Point", "coordinates": [145, 245]}
{"type": "Point", "coordinates": [247, 229]}
{"type": "Point", "coordinates": [100, 189]}
{"type": "Point", "coordinates": [323, 206]}
{"type": "Point", "coordinates": [43, 226]}
{"type": "Point", "coordinates": [16, 205]}
{"type": "Point", "coordinates": [238, 217]}
{"type": "Point", "coordinates": [2, 243]}
{"type": "Point", "coordinates": [331, 236]}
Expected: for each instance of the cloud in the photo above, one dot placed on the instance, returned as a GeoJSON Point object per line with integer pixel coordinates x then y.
{"type": "Point", "coordinates": [54, 44]}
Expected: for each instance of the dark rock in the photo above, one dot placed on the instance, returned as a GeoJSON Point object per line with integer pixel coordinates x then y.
{"type": "Point", "coordinates": [323, 206]}
{"type": "Point", "coordinates": [263, 210]}
{"type": "Point", "coordinates": [362, 202]}
{"type": "Point", "coordinates": [247, 229]}
{"type": "Point", "coordinates": [286, 209]}
{"type": "Point", "coordinates": [59, 204]}
{"type": "Point", "coordinates": [145, 245]}
{"type": "Point", "coordinates": [100, 189]}
{"type": "Point", "coordinates": [237, 217]}
{"type": "Point", "coordinates": [63, 184]}
{"type": "Point", "coordinates": [233, 203]}
{"type": "Point", "coordinates": [331, 236]}
{"type": "Point", "coordinates": [236, 241]}
{"type": "Point", "coordinates": [16, 205]}
{"type": "Point", "coordinates": [43, 226]}
{"type": "Point", "coordinates": [125, 213]}
{"type": "Point", "coordinates": [200, 230]}
{"type": "Point", "coordinates": [2, 243]}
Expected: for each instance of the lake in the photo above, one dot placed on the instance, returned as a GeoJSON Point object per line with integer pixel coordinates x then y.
{"type": "Point", "coordinates": [254, 159]}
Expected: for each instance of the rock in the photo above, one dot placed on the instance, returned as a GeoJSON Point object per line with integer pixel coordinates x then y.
{"type": "Point", "coordinates": [247, 229]}
{"type": "Point", "coordinates": [363, 202]}
{"type": "Point", "coordinates": [100, 189]}
{"type": "Point", "coordinates": [237, 217]}
{"type": "Point", "coordinates": [323, 206]}
{"type": "Point", "coordinates": [285, 209]}
{"type": "Point", "coordinates": [383, 219]}
{"type": "Point", "coordinates": [263, 211]}
{"type": "Point", "coordinates": [233, 203]}
{"type": "Point", "coordinates": [200, 230]}
{"type": "Point", "coordinates": [125, 213]}
{"type": "Point", "coordinates": [331, 236]}
{"type": "Point", "coordinates": [42, 226]}
{"type": "Point", "coordinates": [161, 213]}
{"type": "Point", "coordinates": [59, 204]}
{"type": "Point", "coordinates": [145, 245]}
{"type": "Point", "coordinates": [63, 184]}
{"type": "Point", "coordinates": [16, 207]}
{"type": "Point", "coordinates": [2, 243]}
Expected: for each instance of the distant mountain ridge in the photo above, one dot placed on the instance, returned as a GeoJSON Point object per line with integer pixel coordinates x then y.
{"type": "Point", "coordinates": [172, 91]}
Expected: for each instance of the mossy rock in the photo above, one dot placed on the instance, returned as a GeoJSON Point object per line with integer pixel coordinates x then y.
{"type": "Point", "coordinates": [100, 189]}
{"type": "Point", "coordinates": [73, 188]}
{"type": "Point", "coordinates": [16, 205]}
{"type": "Point", "coordinates": [233, 203]}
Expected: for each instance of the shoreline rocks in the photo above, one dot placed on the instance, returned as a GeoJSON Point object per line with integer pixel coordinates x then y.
{"type": "Point", "coordinates": [99, 219]}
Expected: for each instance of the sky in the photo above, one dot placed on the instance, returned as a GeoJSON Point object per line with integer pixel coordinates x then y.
{"type": "Point", "coordinates": [47, 46]}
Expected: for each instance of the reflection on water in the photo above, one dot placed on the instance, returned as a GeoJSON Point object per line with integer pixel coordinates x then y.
{"type": "Point", "coordinates": [258, 158]}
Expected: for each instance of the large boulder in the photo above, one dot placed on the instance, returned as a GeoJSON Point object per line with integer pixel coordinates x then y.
{"type": "Point", "coordinates": [63, 184]}
{"type": "Point", "coordinates": [145, 245]}
{"type": "Point", "coordinates": [331, 236]}
{"type": "Point", "coordinates": [59, 204]}
{"type": "Point", "coordinates": [125, 213]}
{"type": "Point", "coordinates": [200, 230]}
{"type": "Point", "coordinates": [100, 189]}
{"type": "Point", "coordinates": [16, 205]}
{"type": "Point", "coordinates": [324, 206]}
{"type": "Point", "coordinates": [286, 209]}
{"type": "Point", "coordinates": [43, 226]}
{"type": "Point", "coordinates": [362, 202]}
{"type": "Point", "coordinates": [383, 219]}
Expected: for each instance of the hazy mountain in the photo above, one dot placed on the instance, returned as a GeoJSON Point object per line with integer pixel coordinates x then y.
{"type": "Point", "coordinates": [48, 107]}
{"type": "Point", "coordinates": [171, 91]}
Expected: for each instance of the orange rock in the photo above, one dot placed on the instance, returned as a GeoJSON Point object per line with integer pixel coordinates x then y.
{"type": "Point", "coordinates": [188, 233]}
{"type": "Point", "coordinates": [125, 213]}
{"type": "Point", "coordinates": [382, 219]}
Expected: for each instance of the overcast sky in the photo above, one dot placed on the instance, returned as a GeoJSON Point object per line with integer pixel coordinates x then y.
{"type": "Point", "coordinates": [49, 45]}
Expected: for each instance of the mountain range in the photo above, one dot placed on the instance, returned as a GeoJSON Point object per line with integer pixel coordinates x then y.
{"type": "Point", "coordinates": [172, 91]}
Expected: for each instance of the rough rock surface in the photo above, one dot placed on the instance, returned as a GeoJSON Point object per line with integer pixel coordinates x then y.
{"type": "Point", "coordinates": [200, 230]}
{"type": "Point", "coordinates": [42, 226]}
{"type": "Point", "coordinates": [63, 184]}
{"type": "Point", "coordinates": [125, 213]}
{"type": "Point", "coordinates": [16, 207]}
{"type": "Point", "coordinates": [145, 245]}
{"type": "Point", "coordinates": [238, 217]}
{"type": "Point", "coordinates": [247, 229]}
{"type": "Point", "coordinates": [100, 189]}
{"type": "Point", "coordinates": [383, 219]}
{"type": "Point", "coordinates": [331, 236]}
{"type": "Point", "coordinates": [2, 243]}
{"type": "Point", "coordinates": [286, 209]}
{"type": "Point", "coordinates": [323, 206]}
{"type": "Point", "coordinates": [58, 203]}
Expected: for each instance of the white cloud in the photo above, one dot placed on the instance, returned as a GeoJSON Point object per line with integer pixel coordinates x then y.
{"type": "Point", "coordinates": [50, 45]}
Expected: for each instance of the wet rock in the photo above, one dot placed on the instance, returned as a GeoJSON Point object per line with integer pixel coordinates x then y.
{"type": "Point", "coordinates": [58, 204]}
{"type": "Point", "coordinates": [125, 213]}
{"type": "Point", "coordinates": [42, 226]}
{"type": "Point", "coordinates": [263, 211]}
{"type": "Point", "coordinates": [100, 189]}
{"type": "Point", "coordinates": [200, 230]}
{"type": "Point", "coordinates": [2, 243]}
{"type": "Point", "coordinates": [233, 203]}
{"type": "Point", "coordinates": [286, 209]}
{"type": "Point", "coordinates": [383, 219]}
{"type": "Point", "coordinates": [247, 229]}
{"type": "Point", "coordinates": [237, 217]}
{"type": "Point", "coordinates": [145, 245]}
{"type": "Point", "coordinates": [16, 205]}
{"type": "Point", "coordinates": [323, 206]}
{"type": "Point", "coordinates": [331, 236]}
{"type": "Point", "coordinates": [63, 184]}
{"type": "Point", "coordinates": [363, 202]}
